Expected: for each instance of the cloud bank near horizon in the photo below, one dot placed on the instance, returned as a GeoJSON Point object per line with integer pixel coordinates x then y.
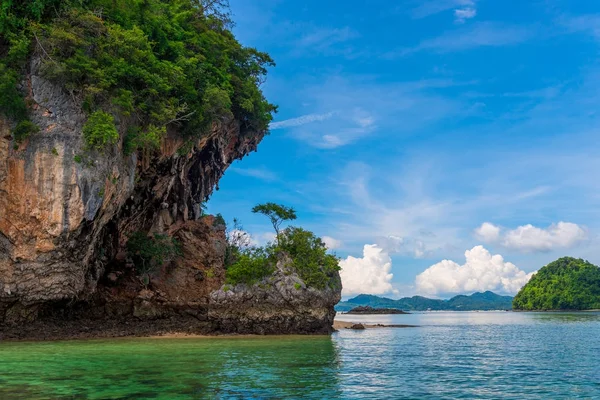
{"type": "Point", "coordinates": [481, 271]}
{"type": "Point", "coordinates": [528, 238]}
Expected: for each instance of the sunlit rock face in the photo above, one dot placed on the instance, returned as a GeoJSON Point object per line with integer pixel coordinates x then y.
{"type": "Point", "coordinates": [66, 212]}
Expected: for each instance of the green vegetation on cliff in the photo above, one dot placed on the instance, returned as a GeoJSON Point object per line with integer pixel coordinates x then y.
{"type": "Point", "coordinates": [565, 284]}
{"type": "Point", "coordinates": [249, 264]}
{"type": "Point", "coordinates": [150, 64]}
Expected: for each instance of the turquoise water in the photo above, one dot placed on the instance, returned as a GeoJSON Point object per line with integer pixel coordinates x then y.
{"type": "Point", "coordinates": [451, 355]}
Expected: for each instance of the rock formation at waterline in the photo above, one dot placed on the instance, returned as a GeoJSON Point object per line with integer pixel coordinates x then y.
{"type": "Point", "coordinates": [66, 213]}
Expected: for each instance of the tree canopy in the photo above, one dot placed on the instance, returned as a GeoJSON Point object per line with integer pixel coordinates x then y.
{"type": "Point", "coordinates": [248, 264]}
{"type": "Point", "coordinates": [565, 284]}
{"type": "Point", "coordinates": [150, 64]}
{"type": "Point", "coordinates": [276, 213]}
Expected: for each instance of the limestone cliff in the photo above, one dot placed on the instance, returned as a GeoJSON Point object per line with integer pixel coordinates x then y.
{"type": "Point", "coordinates": [64, 220]}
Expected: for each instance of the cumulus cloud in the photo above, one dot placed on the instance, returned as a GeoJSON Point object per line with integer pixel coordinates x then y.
{"type": "Point", "coordinates": [331, 243]}
{"type": "Point", "coordinates": [482, 271]}
{"type": "Point", "coordinates": [463, 14]}
{"type": "Point", "coordinates": [488, 233]}
{"type": "Point", "coordinates": [370, 274]}
{"type": "Point", "coordinates": [528, 238]}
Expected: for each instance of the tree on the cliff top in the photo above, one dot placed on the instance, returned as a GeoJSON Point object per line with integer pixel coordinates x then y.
{"type": "Point", "coordinates": [277, 213]}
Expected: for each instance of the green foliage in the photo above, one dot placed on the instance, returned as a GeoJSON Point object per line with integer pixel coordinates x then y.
{"type": "Point", "coordinates": [276, 213]}
{"type": "Point", "coordinates": [12, 103]}
{"type": "Point", "coordinates": [309, 255]}
{"type": "Point", "coordinates": [99, 131]}
{"type": "Point", "coordinates": [248, 264]}
{"type": "Point", "coordinates": [252, 265]}
{"type": "Point", "coordinates": [153, 62]}
{"type": "Point", "coordinates": [237, 241]}
{"type": "Point", "coordinates": [297, 286]}
{"type": "Point", "coordinates": [151, 252]}
{"type": "Point", "coordinates": [565, 284]}
{"type": "Point", "coordinates": [78, 159]}
{"type": "Point", "coordinates": [138, 139]}
{"type": "Point", "coordinates": [24, 129]}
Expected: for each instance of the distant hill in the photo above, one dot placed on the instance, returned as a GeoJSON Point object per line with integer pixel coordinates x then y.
{"type": "Point", "coordinates": [565, 284]}
{"type": "Point", "coordinates": [476, 301]}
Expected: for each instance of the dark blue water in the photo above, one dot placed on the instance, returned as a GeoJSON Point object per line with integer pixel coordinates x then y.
{"type": "Point", "coordinates": [499, 355]}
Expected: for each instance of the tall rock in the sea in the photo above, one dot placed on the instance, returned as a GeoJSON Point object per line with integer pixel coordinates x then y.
{"type": "Point", "coordinates": [67, 210]}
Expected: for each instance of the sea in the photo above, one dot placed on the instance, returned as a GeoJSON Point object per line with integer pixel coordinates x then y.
{"type": "Point", "coordinates": [449, 355]}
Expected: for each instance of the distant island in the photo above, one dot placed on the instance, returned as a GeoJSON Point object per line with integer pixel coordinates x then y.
{"type": "Point", "coordinates": [371, 310]}
{"type": "Point", "coordinates": [477, 301]}
{"type": "Point", "coordinates": [565, 284]}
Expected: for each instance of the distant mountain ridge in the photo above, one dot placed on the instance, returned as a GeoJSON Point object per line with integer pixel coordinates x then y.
{"type": "Point", "coordinates": [477, 301]}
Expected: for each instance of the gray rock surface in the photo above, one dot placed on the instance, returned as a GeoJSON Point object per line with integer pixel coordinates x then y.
{"type": "Point", "coordinates": [281, 303]}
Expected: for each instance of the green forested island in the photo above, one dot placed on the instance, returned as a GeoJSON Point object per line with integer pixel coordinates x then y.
{"type": "Point", "coordinates": [565, 284]}
{"type": "Point", "coordinates": [477, 301]}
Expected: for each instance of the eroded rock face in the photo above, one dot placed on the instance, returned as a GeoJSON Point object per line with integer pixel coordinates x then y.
{"type": "Point", "coordinates": [65, 212]}
{"type": "Point", "coordinates": [280, 303]}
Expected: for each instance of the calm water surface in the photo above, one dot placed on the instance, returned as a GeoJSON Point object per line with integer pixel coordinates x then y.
{"type": "Point", "coordinates": [485, 355]}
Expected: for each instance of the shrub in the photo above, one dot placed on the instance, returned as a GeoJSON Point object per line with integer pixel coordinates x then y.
{"type": "Point", "coordinates": [150, 252]}
{"type": "Point", "coordinates": [309, 256]}
{"type": "Point", "coordinates": [99, 131]}
{"type": "Point", "coordinates": [24, 129]}
{"type": "Point", "coordinates": [156, 62]}
{"type": "Point", "coordinates": [251, 266]}
{"type": "Point", "coordinates": [138, 139]}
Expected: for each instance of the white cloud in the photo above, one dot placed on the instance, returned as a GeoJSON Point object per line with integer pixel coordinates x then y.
{"type": "Point", "coordinates": [259, 173]}
{"type": "Point", "coordinates": [481, 271]}
{"type": "Point", "coordinates": [303, 120]}
{"type": "Point", "coordinates": [463, 14]}
{"type": "Point", "coordinates": [331, 243]}
{"type": "Point", "coordinates": [483, 34]}
{"type": "Point", "coordinates": [528, 238]}
{"type": "Point", "coordinates": [323, 38]}
{"type": "Point", "coordinates": [432, 7]}
{"type": "Point", "coordinates": [370, 274]}
{"type": "Point", "coordinates": [405, 246]}
{"type": "Point", "coordinates": [588, 23]}
{"type": "Point", "coordinates": [488, 232]}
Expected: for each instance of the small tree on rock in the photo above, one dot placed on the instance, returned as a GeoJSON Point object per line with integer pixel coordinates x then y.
{"type": "Point", "coordinates": [277, 213]}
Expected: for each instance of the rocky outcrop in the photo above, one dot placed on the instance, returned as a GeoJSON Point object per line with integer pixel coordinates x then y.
{"type": "Point", "coordinates": [66, 213]}
{"type": "Point", "coordinates": [281, 303]}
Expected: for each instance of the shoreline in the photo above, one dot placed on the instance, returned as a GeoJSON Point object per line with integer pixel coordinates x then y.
{"type": "Point", "coordinates": [340, 325]}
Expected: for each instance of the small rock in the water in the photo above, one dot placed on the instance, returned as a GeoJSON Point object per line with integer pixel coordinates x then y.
{"type": "Point", "coordinates": [357, 326]}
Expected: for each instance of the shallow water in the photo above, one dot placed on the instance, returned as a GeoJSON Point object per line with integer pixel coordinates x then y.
{"type": "Point", "coordinates": [450, 355]}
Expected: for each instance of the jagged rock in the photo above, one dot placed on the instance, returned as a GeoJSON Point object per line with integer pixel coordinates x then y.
{"type": "Point", "coordinates": [280, 303]}
{"type": "Point", "coordinates": [63, 221]}
{"type": "Point", "coordinates": [65, 216]}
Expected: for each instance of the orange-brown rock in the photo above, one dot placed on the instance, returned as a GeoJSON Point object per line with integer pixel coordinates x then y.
{"type": "Point", "coordinates": [66, 211]}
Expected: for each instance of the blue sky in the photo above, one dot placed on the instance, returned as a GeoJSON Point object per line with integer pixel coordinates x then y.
{"type": "Point", "coordinates": [403, 126]}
